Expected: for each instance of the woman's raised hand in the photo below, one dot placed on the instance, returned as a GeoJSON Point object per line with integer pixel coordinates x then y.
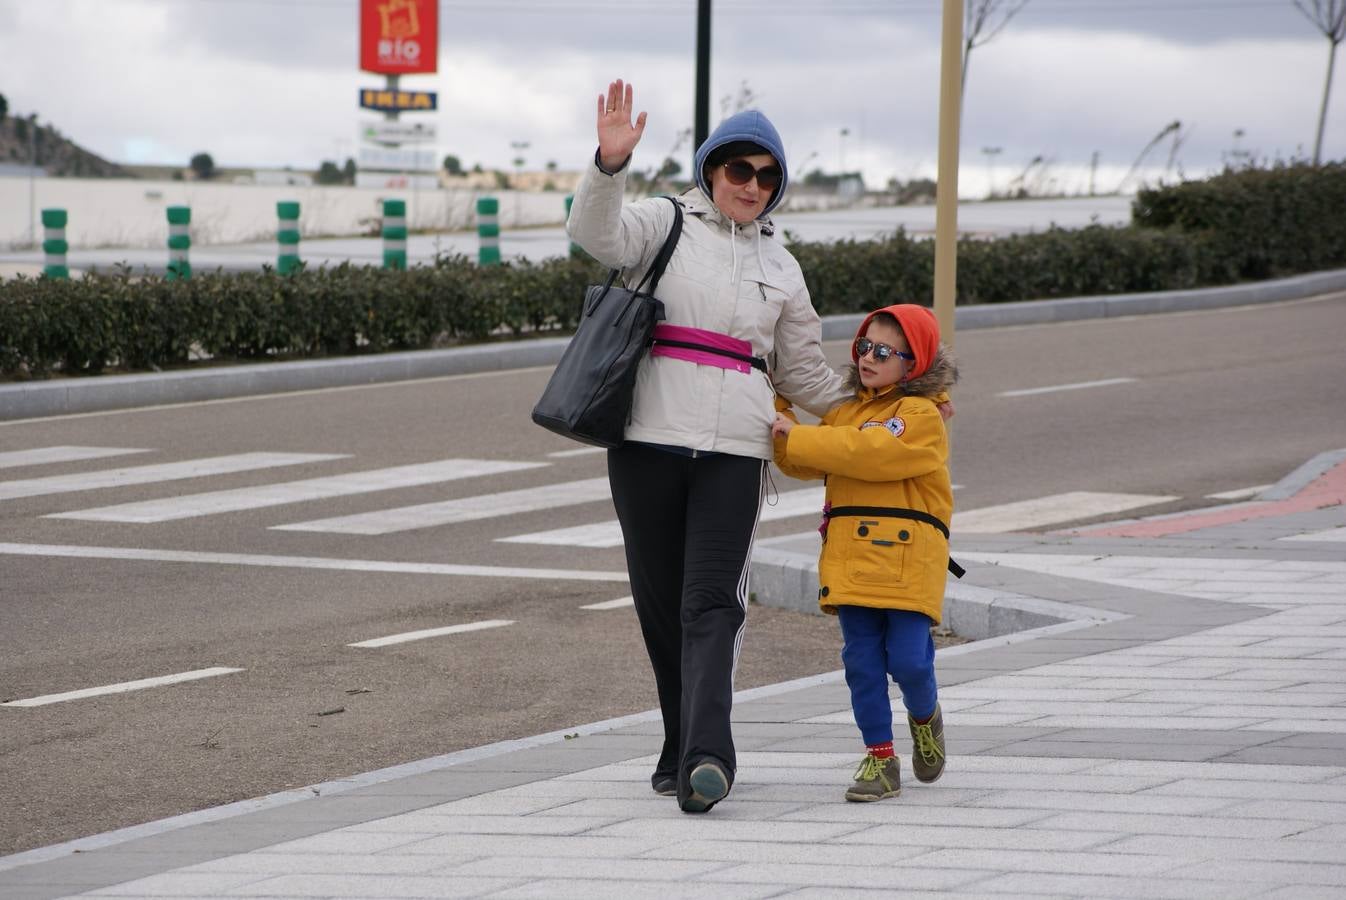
{"type": "Point", "coordinates": [617, 137]}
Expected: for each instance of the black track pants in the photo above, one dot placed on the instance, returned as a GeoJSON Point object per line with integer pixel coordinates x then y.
{"type": "Point", "coordinates": [688, 524]}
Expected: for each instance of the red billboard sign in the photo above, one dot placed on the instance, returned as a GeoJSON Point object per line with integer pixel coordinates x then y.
{"type": "Point", "coordinates": [399, 37]}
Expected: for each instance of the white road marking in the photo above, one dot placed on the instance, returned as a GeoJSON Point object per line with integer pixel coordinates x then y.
{"type": "Point", "coordinates": [214, 502]}
{"type": "Point", "coordinates": [619, 603]}
{"type": "Point", "coordinates": [583, 451]}
{"type": "Point", "coordinates": [1079, 385]}
{"type": "Point", "coordinates": [123, 687]}
{"type": "Point", "coordinates": [1047, 510]}
{"type": "Point", "coordinates": [304, 562]}
{"type": "Point", "coordinates": [194, 468]}
{"type": "Point", "coordinates": [1331, 535]}
{"type": "Point", "coordinates": [599, 534]}
{"type": "Point", "coordinates": [789, 505]}
{"type": "Point", "coordinates": [431, 632]}
{"type": "Point", "coordinates": [1240, 494]}
{"type": "Point", "coordinates": [466, 509]}
{"type": "Point", "coordinates": [44, 455]}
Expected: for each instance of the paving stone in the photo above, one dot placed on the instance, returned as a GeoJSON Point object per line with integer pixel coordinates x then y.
{"type": "Point", "coordinates": [830, 853]}
{"type": "Point", "coordinates": [1324, 874]}
{"type": "Point", "coordinates": [374, 886]}
{"type": "Point", "coordinates": [1095, 749]}
{"type": "Point", "coordinates": [905, 811]}
{"type": "Point", "coordinates": [1048, 861]}
{"type": "Point", "coordinates": [1285, 850]}
{"type": "Point", "coordinates": [935, 837]}
{"type": "Point", "coordinates": [1224, 825]}
{"type": "Point", "coordinates": [1304, 810]}
{"type": "Point", "coordinates": [872, 877]}
{"type": "Point", "coordinates": [604, 889]}
{"type": "Point", "coordinates": [1281, 756]}
{"type": "Point", "coordinates": [172, 884]}
{"type": "Point", "coordinates": [1168, 888]}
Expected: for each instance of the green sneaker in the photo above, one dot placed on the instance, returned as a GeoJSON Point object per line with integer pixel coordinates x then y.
{"type": "Point", "coordinates": [876, 779]}
{"type": "Point", "coordinates": [927, 747]}
{"type": "Point", "coordinates": [709, 785]}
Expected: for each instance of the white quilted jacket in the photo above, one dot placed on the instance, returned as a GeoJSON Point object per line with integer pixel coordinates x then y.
{"type": "Point", "coordinates": [734, 279]}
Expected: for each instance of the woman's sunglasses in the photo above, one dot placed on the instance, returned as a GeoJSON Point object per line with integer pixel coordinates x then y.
{"type": "Point", "coordinates": [740, 171]}
{"type": "Point", "coordinates": [882, 352]}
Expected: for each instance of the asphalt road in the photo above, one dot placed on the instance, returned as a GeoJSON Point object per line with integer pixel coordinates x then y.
{"type": "Point", "coordinates": [1211, 402]}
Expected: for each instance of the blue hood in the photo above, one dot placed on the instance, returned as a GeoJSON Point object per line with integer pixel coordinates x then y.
{"type": "Point", "coordinates": [749, 125]}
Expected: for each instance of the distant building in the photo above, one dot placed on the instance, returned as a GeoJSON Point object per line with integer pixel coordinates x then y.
{"type": "Point", "coordinates": [281, 177]}
{"type": "Point", "coordinates": [14, 170]}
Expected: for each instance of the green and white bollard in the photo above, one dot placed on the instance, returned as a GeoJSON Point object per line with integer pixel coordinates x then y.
{"type": "Point", "coordinates": [287, 236]}
{"type": "Point", "coordinates": [488, 231]}
{"type": "Point", "coordinates": [179, 243]}
{"type": "Point", "coordinates": [54, 245]}
{"type": "Point", "coordinates": [575, 251]}
{"type": "Point", "coordinates": [395, 234]}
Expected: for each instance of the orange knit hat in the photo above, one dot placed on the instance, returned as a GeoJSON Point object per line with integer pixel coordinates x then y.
{"type": "Point", "coordinates": [919, 326]}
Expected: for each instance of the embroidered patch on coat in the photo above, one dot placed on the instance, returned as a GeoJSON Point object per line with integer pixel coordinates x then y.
{"type": "Point", "coordinates": [896, 426]}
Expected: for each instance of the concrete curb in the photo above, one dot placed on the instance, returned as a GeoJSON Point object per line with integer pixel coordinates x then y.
{"type": "Point", "coordinates": [1303, 476]}
{"type": "Point", "coordinates": [788, 579]}
{"type": "Point", "coordinates": [80, 395]}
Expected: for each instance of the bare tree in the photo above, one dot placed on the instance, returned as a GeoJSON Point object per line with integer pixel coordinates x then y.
{"type": "Point", "coordinates": [1329, 17]}
{"type": "Point", "coordinates": [981, 25]}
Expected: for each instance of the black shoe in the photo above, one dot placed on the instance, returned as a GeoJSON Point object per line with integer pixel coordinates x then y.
{"type": "Point", "coordinates": [665, 785]}
{"type": "Point", "coordinates": [709, 785]}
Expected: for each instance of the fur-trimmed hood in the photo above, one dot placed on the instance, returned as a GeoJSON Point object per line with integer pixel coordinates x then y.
{"type": "Point", "coordinates": [938, 379]}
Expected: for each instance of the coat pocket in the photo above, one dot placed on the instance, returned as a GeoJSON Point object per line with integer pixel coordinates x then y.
{"type": "Point", "coordinates": [879, 552]}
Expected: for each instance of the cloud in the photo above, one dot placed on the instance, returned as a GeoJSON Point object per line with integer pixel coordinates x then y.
{"type": "Point", "coordinates": [272, 83]}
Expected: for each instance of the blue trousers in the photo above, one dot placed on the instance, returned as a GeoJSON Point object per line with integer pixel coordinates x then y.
{"type": "Point", "coordinates": [877, 644]}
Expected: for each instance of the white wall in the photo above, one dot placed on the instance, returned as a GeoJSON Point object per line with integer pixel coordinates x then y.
{"type": "Point", "coordinates": [130, 213]}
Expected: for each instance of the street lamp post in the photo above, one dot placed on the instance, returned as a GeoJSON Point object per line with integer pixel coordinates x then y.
{"type": "Point", "coordinates": [991, 154]}
{"type": "Point", "coordinates": [518, 147]}
{"type": "Point", "coordinates": [946, 193]}
{"type": "Point", "coordinates": [842, 164]}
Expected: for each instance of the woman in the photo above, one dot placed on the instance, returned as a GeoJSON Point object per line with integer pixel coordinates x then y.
{"type": "Point", "coordinates": [688, 482]}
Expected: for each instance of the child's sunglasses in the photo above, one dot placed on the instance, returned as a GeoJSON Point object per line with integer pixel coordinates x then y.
{"type": "Point", "coordinates": [740, 171]}
{"type": "Point", "coordinates": [882, 352]}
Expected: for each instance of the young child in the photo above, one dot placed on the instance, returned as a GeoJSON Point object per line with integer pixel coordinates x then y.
{"type": "Point", "coordinates": [884, 557]}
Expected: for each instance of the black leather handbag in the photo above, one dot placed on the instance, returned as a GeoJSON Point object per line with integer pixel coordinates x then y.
{"type": "Point", "coordinates": [588, 398]}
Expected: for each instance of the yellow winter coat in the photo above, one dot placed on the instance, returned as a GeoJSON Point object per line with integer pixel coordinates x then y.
{"type": "Point", "coordinates": [886, 448]}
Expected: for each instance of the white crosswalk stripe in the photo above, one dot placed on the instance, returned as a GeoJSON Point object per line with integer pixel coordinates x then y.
{"type": "Point", "coordinates": [262, 560]}
{"type": "Point", "coordinates": [194, 468]}
{"type": "Point", "coordinates": [1041, 511]}
{"type": "Point", "coordinates": [39, 456]}
{"type": "Point", "coordinates": [466, 509]}
{"type": "Point", "coordinates": [214, 502]}
{"type": "Point", "coordinates": [789, 505]}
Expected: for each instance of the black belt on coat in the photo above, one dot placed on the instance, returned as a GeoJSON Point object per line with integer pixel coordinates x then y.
{"type": "Point", "coordinates": [898, 512]}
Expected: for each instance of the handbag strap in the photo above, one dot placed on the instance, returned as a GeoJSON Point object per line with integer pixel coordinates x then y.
{"type": "Point", "coordinates": [656, 270]}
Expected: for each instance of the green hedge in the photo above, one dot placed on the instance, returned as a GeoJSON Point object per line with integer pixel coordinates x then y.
{"type": "Point", "coordinates": [1254, 223]}
{"type": "Point", "coordinates": [88, 325]}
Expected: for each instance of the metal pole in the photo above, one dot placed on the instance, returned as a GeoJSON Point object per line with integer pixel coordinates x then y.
{"type": "Point", "coordinates": [32, 175]}
{"type": "Point", "coordinates": [946, 193]}
{"type": "Point", "coordinates": [702, 130]}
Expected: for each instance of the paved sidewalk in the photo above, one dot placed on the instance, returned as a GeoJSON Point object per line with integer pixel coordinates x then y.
{"type": "Point", "coordinates": [1179, 730]}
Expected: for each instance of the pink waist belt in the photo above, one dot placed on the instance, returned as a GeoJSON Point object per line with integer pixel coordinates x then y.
{"type": "Point", "coordinates": [705, 348]}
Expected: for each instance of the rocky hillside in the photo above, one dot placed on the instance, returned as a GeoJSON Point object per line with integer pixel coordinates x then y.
{"type": "Point", "coordinates": [55, 152]}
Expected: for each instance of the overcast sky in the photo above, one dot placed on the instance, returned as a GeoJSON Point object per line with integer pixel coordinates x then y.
{"type": "Point", "coordinates": [275, 82]}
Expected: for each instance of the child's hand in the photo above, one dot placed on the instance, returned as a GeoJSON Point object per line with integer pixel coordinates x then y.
{"type": "Point", "coordinates": [781, 427]}
{"type": "Point", "coordinates": [945, 410]}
